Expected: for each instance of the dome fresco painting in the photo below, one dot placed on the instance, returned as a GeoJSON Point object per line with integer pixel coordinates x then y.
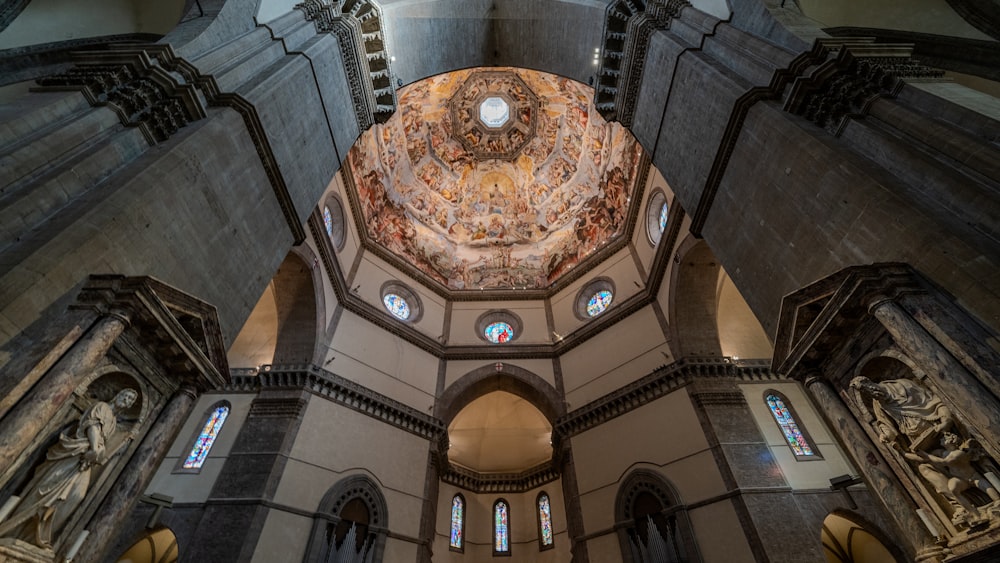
{"type": "Point", "coordinates": [473, 205]}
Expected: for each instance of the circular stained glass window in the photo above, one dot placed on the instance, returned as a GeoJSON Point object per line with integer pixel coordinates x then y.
{"type": "Point", "coordinates": [663, 217]}
{"type": "Point", "coordinates": [494, 112]}
{"type": "Point", "coordinates": [657, 216]}
{"type": "Point", "coordinates": [499, 332]}
{"type": "Point", "coordinates": [397, 306]}
{"type": "Point", "coordinates": [599, 302]}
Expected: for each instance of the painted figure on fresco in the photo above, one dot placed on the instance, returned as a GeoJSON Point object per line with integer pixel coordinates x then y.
{"type": "Point", "coordinates": [61, 482]}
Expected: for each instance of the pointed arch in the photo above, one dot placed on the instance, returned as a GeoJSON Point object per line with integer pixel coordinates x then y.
{"type": "Point", "coordinates": [457, 535]}
{"type": "Point", "coordinates": [501, 527]}
{"type": "Point", "coordinates": [655, 518]}
{"type": "Point", "coordinates": [351, 523]}
{"type": "Point", "coordinates": [543, 510]}
{"type": "Point", "coordinates": [201, 443]}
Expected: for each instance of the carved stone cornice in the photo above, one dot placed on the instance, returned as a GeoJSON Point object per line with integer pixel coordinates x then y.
{"type": "Point", "coordinates": [808, 85]}
{"type": "Point", "coordinates": [149, 86]}
{"type": "Point", "coordinates": [141, 93]}
{"type": "Point", "coordinates": [341, 391]}
{"type": "Point", "coordinates": [628, 25]}
{"type": "Point", "coordinates": [477, 482]}
{"type": "Point", "coordinates": [661, 382]}
{"type": "Point", "coordinates": [854, 74]}
{"type": "Point", "coordinates": [358, 27]}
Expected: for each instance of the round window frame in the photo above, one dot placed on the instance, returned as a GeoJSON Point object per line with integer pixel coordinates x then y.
{"type": "Point", "coordinates": [499, 315]}
{"type": "Point", "coordinates": [336, 207]}
{"type": "Point", "coordinates": [589, 290]}
{"type": "Point", "coordinates": [654, 204]}
{"type": "Point", "coordinates": [406, 292]}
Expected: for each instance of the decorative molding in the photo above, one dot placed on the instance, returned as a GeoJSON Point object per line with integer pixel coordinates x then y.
{"type": "Point", "coordinates": [852, 77]}
{"type": "Point", "coordinates": [30, 62]}
{"type": "Point", "coordinates": [959, 54]}
{"type": "Point", "coordinates": [480, 483]}
{"type": "Point", "coordinates": [663, 381]}
{"type": "Point", "coordinates": [270, 407]}
{"type": "Point", "coordinates": [818, 93]}
{"type": "Point", "coordinates": [628, 25]}
{"type": "Point", "coordinates": [161, 72]}
{"type": "Point", "coordinates": [339, 390]}
{"type": "Point", "coordinates": [358, 27]}
{"type": "Point", "coordinates": [142, 94]}
{"type": "Point", "coordinates": [729, 398]}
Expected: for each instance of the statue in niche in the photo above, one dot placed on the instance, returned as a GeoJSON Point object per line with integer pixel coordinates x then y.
{"type": "Point", "coordinates": [905, 409]}
{"type": "Point", "coordinates": [916, 424]}
{"type": "Point", "coordinates": [951, 470]}
{"type": "Point", "coordinates": [61, 482]}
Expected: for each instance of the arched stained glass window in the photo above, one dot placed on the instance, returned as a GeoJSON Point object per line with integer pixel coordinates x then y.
{"type": "Point", "coordinates": [545, 536]}
{"type": "Point", "coordinates": [794, 435]}
{"type": "Point", "coordinates": [599, 302]}
{"type": "Point", "coordinates": [457, 542]}
{"type": "Point", "coordinates": [206, 439]}
{"type": "Point", "coordinates": [499, 332]}
{"type": "Point", "coordinates": [397, 306]}
{"type": "Point", "coordinates": [501, 528]}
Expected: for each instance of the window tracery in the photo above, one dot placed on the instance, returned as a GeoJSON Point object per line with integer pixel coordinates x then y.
{"type": "Point", "coordinates": [501, 528]}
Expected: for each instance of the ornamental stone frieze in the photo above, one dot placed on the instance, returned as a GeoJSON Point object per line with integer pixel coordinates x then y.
{"type": "Point", "coordinates": [359, 29]}
{"type": "Point", "coordinates": [141, 92]}
{"type": "Point", "coordinates": [854, 74]}
{"type": "Point", "coordinates": [628, 26]}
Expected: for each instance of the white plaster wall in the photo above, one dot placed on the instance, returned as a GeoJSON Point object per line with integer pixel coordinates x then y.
{"type": "Point", "coordinates": [284, 538]}
{"type": "Point", "coordinates": [532, 314]}
{"type": "Point", "coordinates": [813, 474]}
{"type": "Point", "coordinates": [925, 16]}
{"type": "Point", "coordinates": [195, 487]}
{"type": "Point", "coordinates": [256, 342]}
{"type": "Point", "coordinates": [458, 368]}
{"type": "Point", "coordinates": [396, 460]}
{"type": "Point", "coordinates": [621, 268]}
{"type": "Point", "coordinates": [666, 437]}
{"type": "Point", "coordinates": [363, 352]}
{"type": "Point", "coordinates": [46, 21]}
{"type": "Point", "coordinates": [373, 272]}
{"type": "Point", "coordinates": [272, 9]}
{"type": "Point", "coordinates": [632, 349]}
{"type": "Point", "coordinates": [717, 8]}
{"type": "Point", "coordinates": [523, 521]}
{"type": "Point", "coordinates": [740, 334]}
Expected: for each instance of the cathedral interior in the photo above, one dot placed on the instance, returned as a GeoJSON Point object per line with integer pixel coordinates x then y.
{"type": "Point", "coordinates": [589, 281]}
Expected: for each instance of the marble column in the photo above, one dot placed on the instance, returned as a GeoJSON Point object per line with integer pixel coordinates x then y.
{"type": "Point", "coordinates": [880, 478]}
{"type": "Point", "coordinates": [37, 409]}
{"type": "Point", "coordinates": [132, 481]}
{"type": "Point", "coordinates": [978, 406]}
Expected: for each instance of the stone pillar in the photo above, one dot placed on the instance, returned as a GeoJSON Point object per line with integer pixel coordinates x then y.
{"type": "Point", "coordinates": [887, 488]}
{"type": "Point", "coordinates": [25, 421]}
{"type": "Point", "coordinates": [120, 501]}
{"type": "Point", "coordinates": [428, 512]}
{"type": "Point", "coordinates": [571, 500]}
{"type": "Point", "coordinates": [979, 406]}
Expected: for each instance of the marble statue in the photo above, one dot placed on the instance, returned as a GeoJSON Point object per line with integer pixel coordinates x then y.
{"type": "Point", "coordinates": [904, 408]}
{"type": "Point", "coordinates": [951, 470]}
{"type": "Point", "coordinates": [61, 482]}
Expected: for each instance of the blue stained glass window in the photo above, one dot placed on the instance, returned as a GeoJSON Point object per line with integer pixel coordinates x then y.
{"type": "Point", "coordinates": [599, 302]}
{"type": "Point", "coordinates": [397, 306]}
{"type": "Point", "coordinates": [499, 332]}
{"type": "Point", "coordinates": [328, 221]}
{"type": "Point", "coordinates": [501, 527]}
{"type": "Point", "coordinates": [545, 520]}
{"type": "Point", "coordinates": [207, 437]}
{"type": "Point", "coordinates": [663, 216]}
{"type": "Point", "coordinates": [789, 427]}
{"type": "Point", "coordinates": [457, 521]}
